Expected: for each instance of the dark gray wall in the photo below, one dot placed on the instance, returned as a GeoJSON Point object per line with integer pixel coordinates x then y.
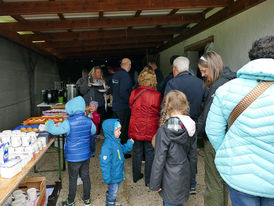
{"type": "Point", "coordinates": [14, 82]}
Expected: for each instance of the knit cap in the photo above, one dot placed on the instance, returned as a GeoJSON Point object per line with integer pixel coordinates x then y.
{"type": "Point", "coordinates": [117, 125]}
{"type": "Point", "coordinates": [94, 103]}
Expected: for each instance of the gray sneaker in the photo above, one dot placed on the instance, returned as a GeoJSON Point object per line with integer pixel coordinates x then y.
{"type": "Point", "coordinates": [114, 204]}
{"type": "Point", "coordinates": [193, 191]}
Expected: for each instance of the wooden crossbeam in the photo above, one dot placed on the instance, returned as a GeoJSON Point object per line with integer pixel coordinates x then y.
{"type": "Point", "coordinates": [100, 42]}
{"type": "Point", "coordinates": [53, 7]}
{"type": "Point", "coordinates": [102, 23]}
{"type": "Point", "coordinates": [106, 53]}
{"type": "Point", "coordinates": [116, 53]}
{"type": "Point", "coordinates": [105, 47]}
{"type": "Point", "coordinates": [13, 36]}
{"type": "Point", "coordinates": [65, 36]}
{"type": "Point", "coordinates": [224, 14]}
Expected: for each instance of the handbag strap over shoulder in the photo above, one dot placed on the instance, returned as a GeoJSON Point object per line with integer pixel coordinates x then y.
{"type": "Point", "coordinates": [139, 96]}
{"type": "Point", "coordinates": [247, 100]}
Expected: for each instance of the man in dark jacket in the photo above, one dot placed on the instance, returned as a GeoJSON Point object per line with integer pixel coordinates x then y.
{"type": "Point", "coordinates": [159, 75]}
{"type": "Point", "coordinates": [190, 85]}
{"type": "Point", "coordinates": [121, 87]}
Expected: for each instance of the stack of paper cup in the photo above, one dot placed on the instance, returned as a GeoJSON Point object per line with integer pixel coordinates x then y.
{"type": "Point", "coordinates": [32, 195]}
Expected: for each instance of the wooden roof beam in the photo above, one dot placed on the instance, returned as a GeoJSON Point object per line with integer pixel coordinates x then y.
{"type": "Point", "coordinates": [102, 23]}
{"type": "Point", "coordinates": [53, 7]}
{"type": "Point", "coordinates": [125, 52]}
{"type": "Point", "coordinates": [105, 47]}
{"type": "Point", "coordinates": [101, 42]}
{"type": "Point", "coordinates": [66, 36]}
{"type": "Point", "coordinates": [13, 36]}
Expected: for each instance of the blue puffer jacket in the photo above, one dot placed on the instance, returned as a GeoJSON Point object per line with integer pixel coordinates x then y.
{"type": "Point", "coordinates": [112, 154]}
{"type": "Point", "coordinates": [245, 154]}
{"type": "Point", "coordinates": [78, 128]}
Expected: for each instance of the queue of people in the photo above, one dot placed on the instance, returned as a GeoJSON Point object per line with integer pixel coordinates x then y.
{"type": "Point", "coordinates": [163, 129]}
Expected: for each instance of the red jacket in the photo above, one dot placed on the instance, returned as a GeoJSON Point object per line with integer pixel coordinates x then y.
{"type": "Point", "coordinates": [145, 112]}
{"type": "Point", "coordinates": [96, 119]}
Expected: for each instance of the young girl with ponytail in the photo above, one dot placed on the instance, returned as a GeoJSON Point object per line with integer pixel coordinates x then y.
{"type": "Point", "coordinates": [175, 157]}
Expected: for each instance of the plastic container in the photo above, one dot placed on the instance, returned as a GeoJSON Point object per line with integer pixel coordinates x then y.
{"type": "Point", "coordinates": [11, 168]}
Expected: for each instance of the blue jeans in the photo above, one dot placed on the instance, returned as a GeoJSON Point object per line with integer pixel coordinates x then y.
{"type": "Point", "coordinates": [193, 182]}
{"type": "Point", "coordinates": [168, 204]}
{"type": "Point", "coordinates": [243, 199]}
{"type": "Point", "coordinates": [112, 193]}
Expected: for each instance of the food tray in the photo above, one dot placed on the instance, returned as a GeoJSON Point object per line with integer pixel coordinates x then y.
{"type": "Point", "coordinates": [55, 112]}
{"type": "Point", "coordinates": [58, 106]}
{"type": "Point", "coordinates": [26, 126]}
{"type": "Point", "coordinates": [42, 120]}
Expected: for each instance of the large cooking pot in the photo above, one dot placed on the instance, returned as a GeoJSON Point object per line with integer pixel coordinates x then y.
{"type": "Point", "coordinates": [71, 91]}
{"type": "Point", "coordinates": [50, 96]}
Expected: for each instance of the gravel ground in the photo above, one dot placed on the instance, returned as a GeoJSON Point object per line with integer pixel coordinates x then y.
{"type": "Point", "coordinates": [130, 193]}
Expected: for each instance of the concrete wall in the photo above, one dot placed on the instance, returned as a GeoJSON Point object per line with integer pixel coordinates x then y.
{"type": "Point", "coordinates": [232, 38]}
{"type": "Point", "coordinates": [14, 82]}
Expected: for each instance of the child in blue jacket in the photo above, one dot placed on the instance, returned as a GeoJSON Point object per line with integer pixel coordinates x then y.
{"type": "Point", "coordinates": [112, 158]}
{"type": "Point", "coordinates": [78, 129]}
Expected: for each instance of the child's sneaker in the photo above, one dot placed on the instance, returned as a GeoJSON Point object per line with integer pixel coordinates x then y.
{"type": "Point", "coordinates": [193, 191]}
{"type": "Point", "coordinates": [65, 203]}
{"type": "Point", "coordinates": [114, 204]}
{"type": "Point", "coordinates": [87, 202]}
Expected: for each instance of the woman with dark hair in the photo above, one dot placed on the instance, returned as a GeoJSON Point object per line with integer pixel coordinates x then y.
{"type": "Point", "coordinates": [245, 150]}
{"type": "Point", "coordinates": [215, 75]}
{"type": "Point", "coordinates": [145, 105]}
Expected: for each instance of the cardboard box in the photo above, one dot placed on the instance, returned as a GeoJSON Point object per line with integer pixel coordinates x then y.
{"type": "Point", "coordinates": [36, 182]}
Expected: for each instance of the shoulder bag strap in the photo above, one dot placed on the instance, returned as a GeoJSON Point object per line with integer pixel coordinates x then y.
{"type": "Point", "coordinates": [247, 100]}
{"type": "Point", "coordinates": [139, 96]}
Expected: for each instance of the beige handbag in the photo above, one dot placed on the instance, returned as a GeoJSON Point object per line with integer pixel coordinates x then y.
{"type": "Point", "coordinates": [247, 100]}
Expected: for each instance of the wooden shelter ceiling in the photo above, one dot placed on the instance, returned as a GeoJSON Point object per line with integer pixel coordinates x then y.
{"type": "Point", "coordinates": [90, 28]}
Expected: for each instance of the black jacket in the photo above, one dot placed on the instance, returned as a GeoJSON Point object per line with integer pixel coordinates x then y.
{"type": "Point", "coordinates": [192, 87]}
{"type": "Point", "coordinates": [174, 162]}
{"type": "Point", "coordinates": [225, 77]}
{"type": "Point", "coordinates": [121, 87]}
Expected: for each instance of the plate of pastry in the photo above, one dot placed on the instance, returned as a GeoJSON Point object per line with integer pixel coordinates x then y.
{"type": "Point", "coordinates": [102, 90]}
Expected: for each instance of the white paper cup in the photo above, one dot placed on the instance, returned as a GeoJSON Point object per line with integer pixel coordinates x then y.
{"type": "Point", "coordinates": [43, 140]}
{"type": "Point", "coordinates": [17, 193]}
{"type": "Point", "coordinates": [39, 143]}
{"type": "Point", "coordinates": [25, 140]}
{"type": "Point", "coordinates": [7, 132]}
{"type": "Point", "coordinates": [32, 195]}
{"type": "Point", "coordinates": [19, 150]}
{"type": "Point", "coordinates": [19, 202]}
{"type": "Point", "coordinates": [5, 138]}
{"type": "Point", "coordinates": [16, 140]}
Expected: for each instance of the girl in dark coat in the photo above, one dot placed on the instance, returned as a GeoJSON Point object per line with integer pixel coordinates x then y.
{"type": "Point", "coordinates": [175, 157]}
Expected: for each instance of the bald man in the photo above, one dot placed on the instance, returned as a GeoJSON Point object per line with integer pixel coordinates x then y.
{"type": "Point", "coordinates": [121, 88]}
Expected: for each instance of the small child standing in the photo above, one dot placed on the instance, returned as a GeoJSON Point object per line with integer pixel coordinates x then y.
{"type": "Point", "coordinates": [95, 117]}
{"type": "Point", "coordinates": [175, 157]}
{"type": "Point", "coordinates": [78, 129]}
{"type": "Point", "coordinates": [112, 159]}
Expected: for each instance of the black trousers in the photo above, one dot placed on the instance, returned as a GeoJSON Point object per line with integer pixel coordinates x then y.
{"type": "Point", "coordinates": [140, 149]}
{"type": "Point", "coordinates": [124, 116]}
{"type": "Point", "coordinates": [75, 169]}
